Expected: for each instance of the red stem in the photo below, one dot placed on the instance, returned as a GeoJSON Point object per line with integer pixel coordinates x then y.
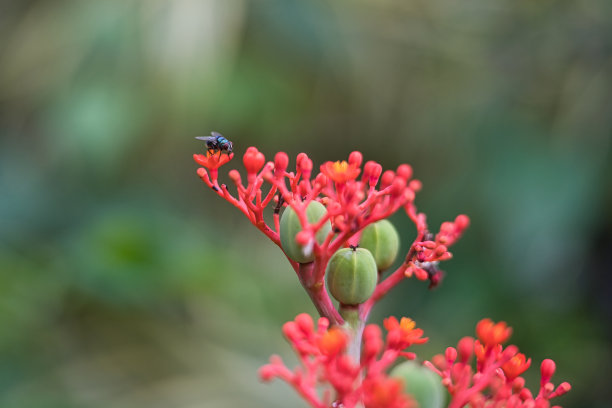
{"type": "Point", "coordinates": [318, 294]}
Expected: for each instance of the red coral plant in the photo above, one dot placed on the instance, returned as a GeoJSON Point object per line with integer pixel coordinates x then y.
{"type": "Point", "coordinates": [343, 361]}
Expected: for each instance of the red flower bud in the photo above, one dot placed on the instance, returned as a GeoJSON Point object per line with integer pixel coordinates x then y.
{"type": "Point", "coordinates": [281, 161]}
{"type": "Point", "coordinates": [371, 173]}
{"type": "Point", "coordinates": [355, 159]}
{"type": "Point", "coordinates": [547, 370]}
{"type": "Point", "coordinates": [404, 171]}
{"type": "Point", "coordinates": [465, 348]}
{"type": "Point", "coordinates": [387, 179]}
{"type": "Point", "coordinates": [490, 333]}
{"type": "Point", "coordinates": [234, 175]}
{"type": "Point", "coordinates": [415, 185]}
{"type": "Point", "coordinates": [253, 160]}
{"type": "Point", "coordinates": [462, 222]}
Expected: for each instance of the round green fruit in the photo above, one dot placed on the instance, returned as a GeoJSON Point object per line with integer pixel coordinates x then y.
{"type": "Point", "coordinates": [351, 275]}
{"type": "Point", "coordinates": [382, 240]}
{"type": "Point", "coordinates": [421, 383]}
{"type": "Point", "coordinates": [290, 226]}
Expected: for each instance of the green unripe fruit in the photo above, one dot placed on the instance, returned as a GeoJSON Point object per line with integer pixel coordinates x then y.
{"type": "Point", "coordinates": [290, 226]}
{"type": "Point", "coordinates": [382, 240]}
{"type": "Point", "coordinates": [421, 383]}
{"type": "Point", "coordinates": [351, 275]}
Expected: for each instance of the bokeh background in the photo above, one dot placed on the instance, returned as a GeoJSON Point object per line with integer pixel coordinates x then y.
{"type": "Point", "coordinates": [125, 282]}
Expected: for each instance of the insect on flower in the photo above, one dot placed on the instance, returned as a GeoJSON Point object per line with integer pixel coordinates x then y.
{"type": "Point", "coordinates": [216, 142]}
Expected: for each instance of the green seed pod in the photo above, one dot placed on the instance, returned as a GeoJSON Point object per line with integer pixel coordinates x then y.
{"type": "Point", "coordinates": [421, 383]}
{"type": "Point", "coordinates": [351, 275]}
{"type": "Point", "coordinates": [382, 240]}
{"type": "Point", "coordinates": [290, 226]}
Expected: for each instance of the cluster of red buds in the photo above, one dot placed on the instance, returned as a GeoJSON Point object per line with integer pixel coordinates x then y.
{"type": "Point", "coordinates": [496, 382]}
{"type": "Point", "coordinates": [324, 362]}
{"type": "Point", "coordinates": [350, 204]}
{"type": "Point", "coordinates": [332, 228]}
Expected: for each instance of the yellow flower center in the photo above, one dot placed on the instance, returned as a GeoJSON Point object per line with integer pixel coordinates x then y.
{"type": "Point", "coordinates": [340, 166]}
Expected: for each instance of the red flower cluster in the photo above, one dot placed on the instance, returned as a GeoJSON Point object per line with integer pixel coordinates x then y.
{"type": "Point", "coordinates": [496, 382]}
{"type": "Point", "coordinates": [352, 203]}
{"type": "Point", "coordinates": [344, 363]}
{"type": "Point", "coordinates": [323, 358]}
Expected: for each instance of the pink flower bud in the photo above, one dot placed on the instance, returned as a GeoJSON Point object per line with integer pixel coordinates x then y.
{"type": "Point", "coordinates": [526, 394]}
{"type": "Point", "coordinates": [439, 361]}
{"type": "Point", "coordinates": [253, 160]}
{"type": "Point", "coordinates": [462, 222]}
{"type": "Point", "coordinates": [547, 370]}
{"type": "Point", "coordinates": [371, 173]}
{"type": "Point", "coordinates": [465, 348]}
{"type": "Point", "coordinates": [421, 274]}
{"type": "Point", "coordinates": [234, 175]}
{"type": "Point", "coordinates": [450, 354]}
{"type": "Point", "coordinates": [562, 389]}
{"type": "Point", "coordinates": [291, 330]}
{"type": "Point", "coordinates": [305, 323]}
{"type": "Point", "coordinates": [404, 171]}
{"type": "Point", "coordinates": [321, 180]}
{"type": "Point", "coordinates": [398, 186]}
{"type": "Point", "coordinates": [281, 161]}
{"type": "Point", "coordinates": [387, 179]}
{"type": "Point", "coordinates": [518, 384]}
{"type": "Point", "coordinates": [267, 372]}
{"type": "Point", "coordinates": [304, 164]}
{"type": "Point", "coordinates": [355, 159]}
{"type": "Point", "coordinates": [440, 250]}
{"type": "Point", "coordinates": [415, 185]}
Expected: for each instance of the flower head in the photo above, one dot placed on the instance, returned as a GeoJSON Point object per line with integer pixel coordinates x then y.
{"type": "Point", "coordinates": [490, 333]}
{"type": "Point", "coordinates": [403, 333]}
{"type": "Point", "coordinates": [516, 366]}
{"type": "Point", "coordinates": [496, 381]}
{"type": "Point", "coordinates": [384, 392]}
{"type": "Point", "coordinates": [213, 160]}
{"type": "Point", "coordinates": [340, 171]}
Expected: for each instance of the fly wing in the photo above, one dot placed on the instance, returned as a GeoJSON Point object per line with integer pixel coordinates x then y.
{"type": "Point", "coordinates": [204, 138]}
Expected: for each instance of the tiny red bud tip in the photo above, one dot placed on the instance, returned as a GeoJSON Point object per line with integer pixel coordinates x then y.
{"type": "Point", "coordinates": [201, 172]}
{"type": "Point", "coordinates": [387, 179]}
{"type": "Point", "coordinates": [304, 164]}
{"type": "Point", "coordinates": [462, 221]}
{"type": "Point", "coordinates": [267, 372]}
{"type": "Point", "coordinates": [547, 370]}
{"type": "Point", "coordinates": [563, 388]}
{"type": "Point", "coordinates": [415, 185]}
{"type": "Point", "coordinates": [398, 186]}
{"type": "Point", "coordinates": [440, 250]}
{"type": "Point", "coordinates": [234, 175]}
{"type": "Point", "coordinates": [518, 383]}
{"type": "Point", "coordinates": [304, 322]}
{"type": "Point", "coordinates": [465, 348]}
{"type": "Point", "coordinates": [355, 159]}
{"type": "Point", "coordinates": [299, 158]}
{"type": "Point", "coordinates": [450, 354]}
{"type": "Point", "coordinates": [253, 160]}
{"type": "Point", "coordinates": [321, 179]}
{"type": "Point", "coordinates": [421, 274]}
{"type": "Point", "coordinates": [404, 171]}
{"type": "Point", "coordinates": [281, 162]}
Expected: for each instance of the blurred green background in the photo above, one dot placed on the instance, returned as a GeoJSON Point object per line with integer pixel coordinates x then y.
{"type": "Point", "coordinates": [125, 282]}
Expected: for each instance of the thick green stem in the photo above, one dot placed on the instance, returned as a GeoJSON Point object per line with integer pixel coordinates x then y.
{"type": "Point", "coordinates": [355, 326]}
